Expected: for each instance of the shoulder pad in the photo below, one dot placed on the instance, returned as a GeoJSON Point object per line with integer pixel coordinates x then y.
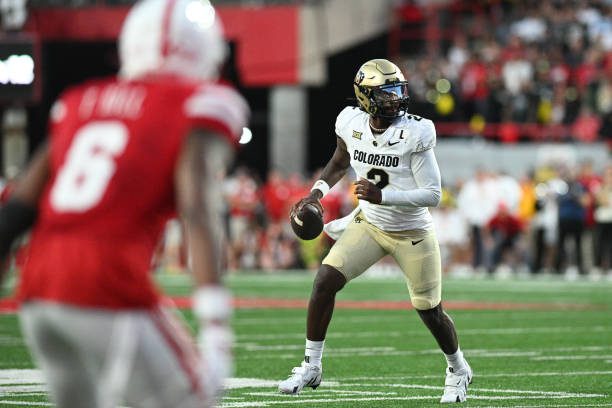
{"type": "Point", "coordinates": [345, 117]}
{"type": "Point", "coordinates": [66, 103]}
{"type": "Point", "coordinates": [220, 105]}
{"type": "Point", "coordinates": [425, 135]}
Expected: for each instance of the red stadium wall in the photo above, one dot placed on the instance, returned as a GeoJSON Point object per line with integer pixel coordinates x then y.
{"type": "Point", "coordinates": [267, 38]}
{"type": "Point", "coordinates": [268, 43]}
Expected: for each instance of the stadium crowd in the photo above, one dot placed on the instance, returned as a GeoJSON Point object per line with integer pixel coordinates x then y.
{"type": "Point", "coordinates": [544, 63]}
{"type": "Point", "coordinates": [553, 220]}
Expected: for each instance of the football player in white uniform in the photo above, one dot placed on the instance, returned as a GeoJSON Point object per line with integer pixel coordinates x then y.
{"type": "Point", "coordinates": [391, 152]}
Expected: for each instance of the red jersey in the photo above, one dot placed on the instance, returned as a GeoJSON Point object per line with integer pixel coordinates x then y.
{"type": "Point", "coordinates": [114, 146]}
{"type": "Point", "coordinates": [507, 224]}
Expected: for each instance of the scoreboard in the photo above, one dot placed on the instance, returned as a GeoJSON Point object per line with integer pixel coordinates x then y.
{"type": "Point", "coordinates": [20, 73]}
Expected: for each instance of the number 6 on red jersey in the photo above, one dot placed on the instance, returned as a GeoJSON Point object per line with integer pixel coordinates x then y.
{"type": "Point", "coordinates": [89, 166]}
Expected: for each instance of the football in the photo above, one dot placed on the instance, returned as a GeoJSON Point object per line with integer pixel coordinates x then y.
{"type": "Point", "coordinates": [308, 222]}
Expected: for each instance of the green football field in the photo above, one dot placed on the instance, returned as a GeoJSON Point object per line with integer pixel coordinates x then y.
{"type": "Point", "coordinates": [531, 342]}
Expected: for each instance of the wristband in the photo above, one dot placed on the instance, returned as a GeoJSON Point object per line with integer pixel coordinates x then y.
{"type": "Point", "coordinates": [212, 303]}
{"type": "Point", "coordinates": [322, 186]}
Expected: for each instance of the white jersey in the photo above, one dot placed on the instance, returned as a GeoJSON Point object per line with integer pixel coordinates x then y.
{"type": "Point", "coordinates": [385, 160]}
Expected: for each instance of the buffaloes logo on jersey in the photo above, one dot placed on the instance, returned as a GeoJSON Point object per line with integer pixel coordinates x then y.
{"type": "Point", "coordinates": [360, 77]}
{"type": "Point", "coordinates": [357, 135]}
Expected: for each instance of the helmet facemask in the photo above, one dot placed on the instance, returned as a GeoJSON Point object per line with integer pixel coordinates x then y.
{"type": "Point", "coordinates": [388, 101]}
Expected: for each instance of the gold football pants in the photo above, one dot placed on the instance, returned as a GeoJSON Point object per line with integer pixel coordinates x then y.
{"type": "Point", "coordinates": [416, 251]}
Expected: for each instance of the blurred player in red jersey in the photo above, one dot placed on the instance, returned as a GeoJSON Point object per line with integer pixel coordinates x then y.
{"type": "Point", "coordinates": [505, 229]}
{"type": "Point", "coordinates": [123, 155]}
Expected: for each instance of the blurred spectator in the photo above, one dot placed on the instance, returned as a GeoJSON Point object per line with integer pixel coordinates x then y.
{"type": "Point", "coordinates": [587, 125]}
{"type": "Point", "coordinates": [603, 220]}
{"type": "Point", "coordinates": [276, 193]}
{"type": "Point", "coordinates": [474, 87]}
{"type": "Point", "coordinates": [507, 191]}
{"type": "Point", "coordinates": [246, 252]}
{"type": "Point", "coordinates": [452, 233]}
{"type": "Point", "coordinates": [504, 228]}
{"type": "Point", "coordinates": [264, 239]}
{"type": "Point", "coordinates": [278, 251]}
{"type": "Point", "coordinates": [477, 202]}
{"type": "Point", "coordinates": [546, 62]}
{"type": "Point", "coordinates": [171, 253]}
{"type": "Point", "coordinates": [544, 223]}
{"type": "Point", "coordinates": [591, 183]}
{"type": "Point", "coordinates": [528, 198]}
{"type": "Point", "coordinates": [572, 202]}
{"type": "Point", "coordinates": [517, 72]}
{"type": "Point", "coordinates": [531, 28]}
{"type": "Point", "coordinates": [241, 193]}
{"type": "Point", "coordinates": [500, 214]}
{"type": "Point", "coordinates": [458, 55]}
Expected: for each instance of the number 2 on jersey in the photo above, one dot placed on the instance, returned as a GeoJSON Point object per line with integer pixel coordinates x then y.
{"type": "Point", "coordinates": [89, 166]}
{"type": "Point", "coordinates": [379, 177]}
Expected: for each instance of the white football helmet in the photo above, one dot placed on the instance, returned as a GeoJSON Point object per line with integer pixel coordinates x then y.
{"type": "Point", "coordinates": [182, 37]}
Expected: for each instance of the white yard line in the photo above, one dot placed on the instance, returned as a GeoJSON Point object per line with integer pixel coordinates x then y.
{"type": "Point", "coordinates": [520, 397]}
{"type": "Point", "coordinates": [8, 390]}
{"type": "Point", "coordinates": [540, 406]}
{"type": "Point", "coordinates": [465, 332]}
{"type": "Point", "coordinates": [364, 399]}
{"type": "Point", "coordinates": [531, 330]}
{"type": "Point", "coordinates": [542, 350]}
{"type": "Point", "coordinates": [382, 353]}
{"type": "Point", "coordinates": [295, 350]}
{"type": "Point", "coordinates": [484, 375]}
{"type": "Point", "coordinates": [492, 390]}
{"type": "Point", "coordinates": [258, 347]}
{"type": "Point", "coordinates": [9, 340]}
{"type": "Point", "coordinates": [31, 376]}
{"type": "Point", "coordinates": [319, 393]}
{"type": "Point", "coordinates": [470, 352]}
{"type": "Point", "coordinates": [547, 358]}
{"type": "Point", "coordinates": [22, 383]}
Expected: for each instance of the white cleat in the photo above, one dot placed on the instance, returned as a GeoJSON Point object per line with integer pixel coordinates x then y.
{"type": "Point", "coordinates": [456, 385]}
{"type": "Point", "coordinates": [306, 375]}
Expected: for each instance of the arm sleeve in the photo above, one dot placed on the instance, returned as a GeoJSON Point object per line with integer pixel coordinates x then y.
{"type": "Point", "coordinates": [427, 177]}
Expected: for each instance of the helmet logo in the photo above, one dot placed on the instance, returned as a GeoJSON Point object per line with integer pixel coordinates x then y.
{"type": "Point", "coordinates": [360, 76]}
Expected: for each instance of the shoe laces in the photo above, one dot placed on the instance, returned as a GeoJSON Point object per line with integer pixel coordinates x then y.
{"type": "Point", "coordinates": [454, 378]}
{"type": "Point", "coordinates": [301, 370]}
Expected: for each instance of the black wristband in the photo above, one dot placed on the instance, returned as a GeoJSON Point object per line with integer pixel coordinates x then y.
{"type": "Point", "coordinates": [16, 217]}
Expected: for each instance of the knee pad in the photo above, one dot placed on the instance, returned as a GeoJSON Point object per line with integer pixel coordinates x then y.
{"type": "Point", "coordinates": [424, 304]}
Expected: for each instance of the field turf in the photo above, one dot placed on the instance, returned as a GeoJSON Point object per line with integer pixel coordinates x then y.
{"type": "Point", "coordinates": [542, 342]}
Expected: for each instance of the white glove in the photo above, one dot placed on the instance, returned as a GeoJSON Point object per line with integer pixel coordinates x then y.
{"type": "Point", "coordinates": [213, 307]}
